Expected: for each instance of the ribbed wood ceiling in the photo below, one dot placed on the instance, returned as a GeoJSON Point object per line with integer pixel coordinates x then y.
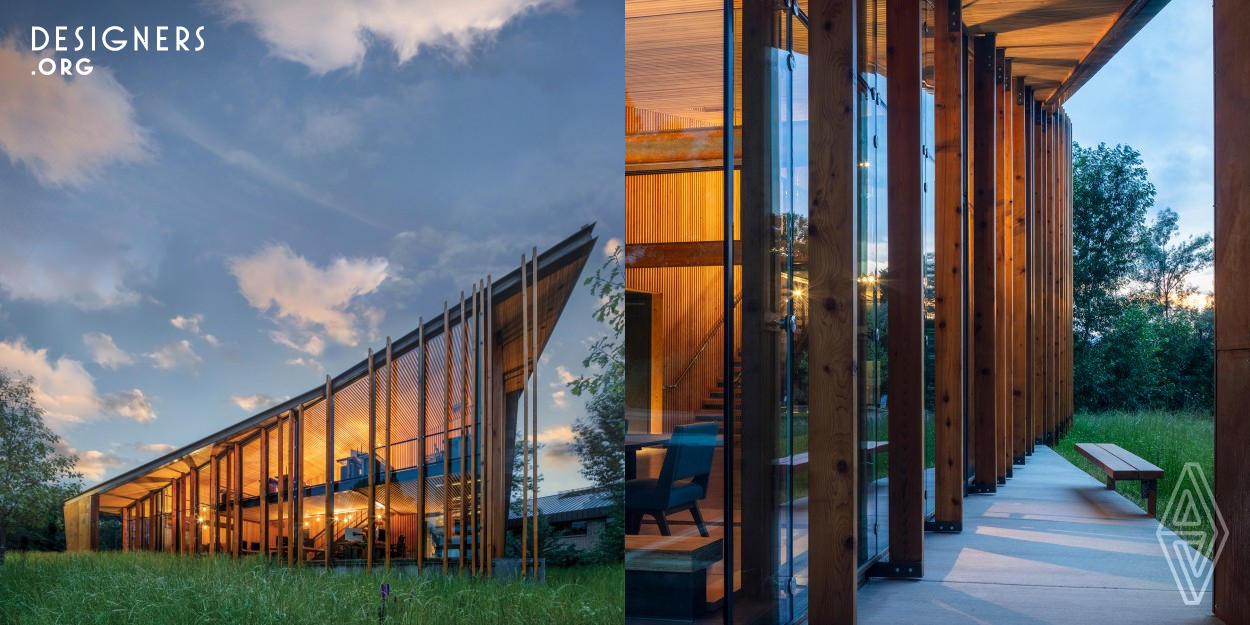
{"type": "Point", "coordinates": [1046, 39]}
{"type": "Point", "coordinates": [673, 60]}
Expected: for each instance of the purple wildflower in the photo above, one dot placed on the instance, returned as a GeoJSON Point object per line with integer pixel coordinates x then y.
{"type": "Point", "coordinates": [386, 591]}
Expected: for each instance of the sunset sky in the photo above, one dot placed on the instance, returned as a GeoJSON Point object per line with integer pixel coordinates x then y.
{"type": "Point", "coordinates": [188, 237]}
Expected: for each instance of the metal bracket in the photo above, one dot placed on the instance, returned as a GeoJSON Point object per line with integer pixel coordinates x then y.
{"type": "Point", "coordinates": [896, 570]}
{"type": "Point", "coordinates": [980, 489]}
{"type": "Point", "coordinates": [945, 527]}
{"type": "Point", "coordinates": [1019, 459]}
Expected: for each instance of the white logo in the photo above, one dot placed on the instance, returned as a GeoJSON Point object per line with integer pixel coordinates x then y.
{"type": "Point", "coordinates": [1192, 511]}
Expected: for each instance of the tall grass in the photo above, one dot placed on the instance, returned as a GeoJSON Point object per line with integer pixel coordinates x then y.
{"type": "Point", "coordinates": [140, 588]}
{"type": "Point", "coordinates": [1167, 439]}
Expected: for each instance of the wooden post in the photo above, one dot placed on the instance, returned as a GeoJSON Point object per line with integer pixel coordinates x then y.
{"type": "Point", "coordinates": [1002, 266]}
{"type": "Point", "coordinates": [534, 414]}
{"type": "Point", "coordinates": [214, 481]}
{"type": "Point", "coordinates": [236, 484]}
{"type": "Point", "coordinates": [1047, 288]}
{"type": "Point", "coordinates": [264, 492]}
{"type": "Point", "coordinates": [421, 473]}
{"type": "Point", "coordinates": [983, 293]}
{"type": "Point", "coordinates": [462, 509]}
{"type": "Point", "coordinates": [475, 432]}
{"type": "Point", "coordinates": [195, 511]}
{"type": "Point", "coordinates": [949, 278]}
{"type": "Point", "coordinates": [763, 300]}
{"type": "Point", "coordinates": [422, 424]}
{"type": "Point", "coordinates": [1020, 279]}
{"type": "Point", "coordinates": [328, 542]}
{"type": "Point", "coordinates": [373, 464]}
{"type": "Point", "coordinates": [447, 524]}
{"type": "Point", "coordinates": [284, 490]}
{"type": "Point", "coordinates": [834, 435]}
{"type": "Point", "coordinates": [493, 466]}
{"type": "Point", "coordinates": [525, 418]}
{"type": "Point", "coordinates": [905, 289]}
{"type": "Point", "coordinates": [297, 485]}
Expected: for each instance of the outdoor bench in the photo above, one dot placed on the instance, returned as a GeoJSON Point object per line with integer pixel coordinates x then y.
{"type": "Point", "coordinates": [1119, 464]}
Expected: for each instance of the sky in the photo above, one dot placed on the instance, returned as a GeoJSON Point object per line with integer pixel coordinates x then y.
{"type": "Point", "coordinates": [1156, 96]}
{"type": "Point", "coordinates": [188, 237]}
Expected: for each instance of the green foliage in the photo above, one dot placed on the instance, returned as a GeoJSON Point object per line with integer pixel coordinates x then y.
{"type": "Point", "coordinates": [599, 436]}
{"type": "Point", "coordinates": [1133, 348]}
{"type": "Point", "coordinates": [35, 479]}
{"type": "Point", "coordinates": [558, 554]}
{"type": "Point", "coordinates": [1167, 439]}
{"type": "Point", "coordinates": [136, 588]}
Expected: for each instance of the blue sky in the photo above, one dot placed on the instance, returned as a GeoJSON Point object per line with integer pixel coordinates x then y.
{"type": "Point", "coordinates": [186, 237]}
{"type": "Point", "coordinates": [1156, 95]}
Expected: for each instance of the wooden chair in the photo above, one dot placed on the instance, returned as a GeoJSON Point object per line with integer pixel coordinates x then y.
{"type": "Point", "coordinates": [682, 482]}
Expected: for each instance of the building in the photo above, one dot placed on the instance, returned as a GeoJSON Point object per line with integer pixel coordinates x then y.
{"type": "Point", "coordinates": [405, 458]}
{"type": "Point", "coordinates": [580, 516]}
{"type": "Point", "coordinates": [829, 202]}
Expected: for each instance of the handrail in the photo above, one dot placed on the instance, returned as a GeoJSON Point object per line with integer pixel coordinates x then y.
{"type": "Point", "coordinates": [706, 341]}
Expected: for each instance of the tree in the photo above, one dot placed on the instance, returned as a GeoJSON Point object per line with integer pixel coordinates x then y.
{"type": "Point", "coordinates": [34, 478]}
{"type": "Point", "coordinates": [1164, 267]}
{"type": "Point", "coordinates": [599, 436]}
{"type": "Point", "coordinates": [1111, 194]}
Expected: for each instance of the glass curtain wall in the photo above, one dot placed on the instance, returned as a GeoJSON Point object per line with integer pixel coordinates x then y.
{"type": "Point", "coordinates": [928, 168]}
{"type": "Point", "coordinates": [716, 390]}
{"type": "Point", "coordinates": [873, 231]}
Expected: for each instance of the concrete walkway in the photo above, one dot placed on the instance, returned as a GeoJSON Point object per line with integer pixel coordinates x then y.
{"type": "Point", "coordinates": [1052, 546]}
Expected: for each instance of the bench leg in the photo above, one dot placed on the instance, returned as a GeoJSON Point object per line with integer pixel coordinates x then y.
{"type": "Point", "coordinates": [1151, 494]}
{"type": "Point", "coordinates": [698, 519]}
{"type": "Point", "coordinates": [1110, 483]}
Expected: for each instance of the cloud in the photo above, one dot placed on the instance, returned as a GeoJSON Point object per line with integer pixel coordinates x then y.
{"type": "Point", "coordinates": [93, 464]}
{"type": "Point", "coordinates": [86, 276]}
{"type": "Point", "coordinates": [64, 130]}
{"type": "Point", "coordinates": [159, 448]}
{"type": "Point", "coordinates": [326, 35]}
{"type": "Point", "coordinates": [175, 355]}
{"type": "Point", "coordinates": [609, 248]}
{"type": "Point", "coordinates": [252, 403]}
{"type": "Point", "coordinates": [130, 404]}
{"type": "Point", "coordinates": [212, 340]}
{"type": "Point", "coordinates": [306, 300]}
{"type": "Point", "coordinates": [560, 399]}
{"type": "Point", "coordinates": [105, 352]}
{"type": "Point", "coordinates": [65, 390]}
{"type": "Point", "coordinates": [190, 324]}
{"type": "Point", "coordinates": [563, 374]}
{"type": "Point", "coordinates": [310, 363]}
{"type": "Point", "coordinates": [556, 450]}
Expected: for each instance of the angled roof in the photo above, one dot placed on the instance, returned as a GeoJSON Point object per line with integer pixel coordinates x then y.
{"type": "Point", "coordinates": [559, 268]}
{"type": "Point", "coordinates": [572, 505]}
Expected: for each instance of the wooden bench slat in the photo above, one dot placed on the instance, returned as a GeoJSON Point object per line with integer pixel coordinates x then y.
{"type": "Point", "coordinates": [1145, 470]}
{"type": "Point", "coordinates": [1110, 464]}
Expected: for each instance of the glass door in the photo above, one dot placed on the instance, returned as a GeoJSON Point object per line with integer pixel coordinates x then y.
{"type": "Point", "coordinates": [790, 249]}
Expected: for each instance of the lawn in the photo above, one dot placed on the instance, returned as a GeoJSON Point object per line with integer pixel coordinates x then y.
{"type": "Point", "coordinates": [140, 588]}
{"type": "Point", "coordinates": [1168, 439]}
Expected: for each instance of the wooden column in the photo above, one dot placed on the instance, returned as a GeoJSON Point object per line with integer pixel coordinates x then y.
{"type": "Point", "coordinates": [762, 303]}
{"type": "Point", "coordinates": [949, 275]}
{"type": "Point", "coordinates": [905, 289]}
{"type": "Point", "coordinates": [236, 518]}
{"type": "Point", "coordinates": [328, 535]}
{"type": "Point", "coordinates": [1231, 599]}
{"type": "Point", "coordinates": [1056, 199]}
{"type": "Point", "coordinates": [373, 464]}
{"type": "Point", "coordinates": [833, 429]}
{"type": "Point", "coordinates": [214, 497]}
{"type": "Point", "coordinates": [421, 473]}
{"type": "Point", "coordinates": [1002, 265]}
{"type": "Point", "coordinates": [264, 492]}
{"type": "Point", "coordinates": [446, 482]}
{"type": "Point", "coordinates": [297, 485]}
{"type": "Point", "coordinates": [1046, 239]}
{"type": "Point", "coordinates": [422, 424]}
{"type": "Point", "coordinates": [985, 352]}
{"type": "Point", "coordinates": [1020, 278]}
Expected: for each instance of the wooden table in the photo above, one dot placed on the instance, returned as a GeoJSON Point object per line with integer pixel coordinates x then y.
{"type": "Point", "coordinates": [635, 442]}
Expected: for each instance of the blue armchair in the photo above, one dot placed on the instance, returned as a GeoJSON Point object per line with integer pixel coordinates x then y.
{"type": "Point", "coordinates": [682, 482]}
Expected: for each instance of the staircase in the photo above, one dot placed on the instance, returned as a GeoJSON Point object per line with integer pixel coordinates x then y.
{"type": "Point", "coordinates": [714, 404]}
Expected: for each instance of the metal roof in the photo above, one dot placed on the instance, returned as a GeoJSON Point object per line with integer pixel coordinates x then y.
{"type": "Point", "coordinates": [572, 505]}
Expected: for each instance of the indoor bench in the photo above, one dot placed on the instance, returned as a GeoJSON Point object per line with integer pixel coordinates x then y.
{"type": "Point", "coordinates": [1119, 464]}
{"type": "Point", "coordinates": [666, 576]}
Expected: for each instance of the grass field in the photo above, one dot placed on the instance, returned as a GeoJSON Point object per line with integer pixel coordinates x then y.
{"type": "Point", "coordinates": [1167, 439]}
{"type": "Point", "coordinates": [142, 588]}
